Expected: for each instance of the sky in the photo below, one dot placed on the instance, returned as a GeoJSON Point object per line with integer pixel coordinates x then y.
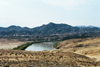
{"type": "Point", "coordinates": [33, 13]}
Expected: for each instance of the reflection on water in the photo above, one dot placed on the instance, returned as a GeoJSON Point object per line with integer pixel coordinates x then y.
{"type": "Point", "coordinates": [41, 46]}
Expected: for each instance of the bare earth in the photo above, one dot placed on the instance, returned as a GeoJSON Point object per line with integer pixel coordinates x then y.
{"type": "Point", "coordinates": [10, 44]}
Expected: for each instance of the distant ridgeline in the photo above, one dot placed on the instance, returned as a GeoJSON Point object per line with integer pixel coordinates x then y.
{"type": "Point", "coordinates": [48, 30]}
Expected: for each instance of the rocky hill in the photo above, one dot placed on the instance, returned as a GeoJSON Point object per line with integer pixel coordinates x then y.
{"type": "Point", "coordinates": [49, 29]}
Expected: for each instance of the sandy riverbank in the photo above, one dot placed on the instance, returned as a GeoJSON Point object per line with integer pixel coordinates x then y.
{"type": "Point", "coordinates": [10, 44]}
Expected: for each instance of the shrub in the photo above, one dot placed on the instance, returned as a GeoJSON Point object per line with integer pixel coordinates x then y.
{"type": "Point", "coordinates": [55, 44]}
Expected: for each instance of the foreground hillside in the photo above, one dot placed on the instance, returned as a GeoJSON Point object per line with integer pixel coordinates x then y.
{"type": "Point", "coordinates": [71, 53]}
{"type": "Point", "coordinates": [89, 47]}
{"type": "Point", "coordinates": [54, 58]}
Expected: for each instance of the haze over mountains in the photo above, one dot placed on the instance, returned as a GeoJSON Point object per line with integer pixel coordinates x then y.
{"type": "Point", "coordinates": [86, 26]}
{"type": "Point", "coordinates": [49, 29]}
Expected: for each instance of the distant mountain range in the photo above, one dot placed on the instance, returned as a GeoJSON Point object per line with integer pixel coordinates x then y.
{"type": "Point", "coordinates": [13, 27]}
{"type": "Point", "coordinates": [87, 26]}
{"type": "Point", "coordinates": [49, 29]}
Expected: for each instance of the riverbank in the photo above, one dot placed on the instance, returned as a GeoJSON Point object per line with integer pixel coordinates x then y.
{"type": "Point", "coordinates": [15, 44]}
{"type": "Point", "coordinates": [11, 43]}
{"type": "Point", "coordinates": [24, 46]}
{"type": "Point", "coordinates": [56, 44]}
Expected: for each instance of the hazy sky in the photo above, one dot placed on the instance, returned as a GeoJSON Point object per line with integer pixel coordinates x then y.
{"type": "Point", "coordinates": [32, 13]}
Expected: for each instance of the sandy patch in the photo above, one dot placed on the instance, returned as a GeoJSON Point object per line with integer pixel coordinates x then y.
{"type": "Point", "coordinates": [10, 44]}
{"type": "Point", "coordinates": [97, 57]}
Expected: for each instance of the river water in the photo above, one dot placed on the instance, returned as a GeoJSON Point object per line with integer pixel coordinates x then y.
{"type": "Point", "coordinates": [41, 46]}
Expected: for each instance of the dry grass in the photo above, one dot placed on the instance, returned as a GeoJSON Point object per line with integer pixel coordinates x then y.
{"type": "Point", "coordinates": [86, 42]}
{"type": "Point", "coordinates": [89, 47]}
{"type": "Point", "coordinates": [54, 58]}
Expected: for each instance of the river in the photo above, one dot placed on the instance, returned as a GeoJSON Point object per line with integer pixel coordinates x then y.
{"type": "Point", "coordinates": [41, 46]}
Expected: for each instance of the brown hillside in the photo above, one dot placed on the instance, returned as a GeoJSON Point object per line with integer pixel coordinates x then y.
{"type": "Point", "coordinates": [53, 58]}
{"type": "Point", "coordinates": [89, 47]}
